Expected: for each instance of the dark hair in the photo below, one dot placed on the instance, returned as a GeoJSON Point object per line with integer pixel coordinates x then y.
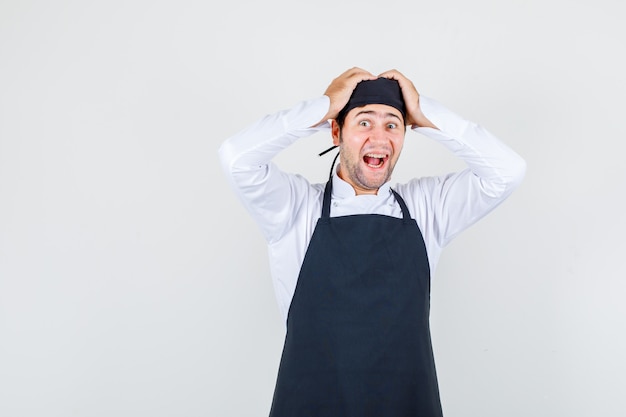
{"type": "Point", "coordinates": [341, 117]}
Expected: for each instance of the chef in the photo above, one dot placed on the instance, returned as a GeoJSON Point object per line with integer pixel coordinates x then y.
{"type": "Point", "coordinates": [352, 259]}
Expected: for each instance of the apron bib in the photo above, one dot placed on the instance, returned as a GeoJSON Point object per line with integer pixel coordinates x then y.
{"type": "Point", "coordinates": [358, 339]}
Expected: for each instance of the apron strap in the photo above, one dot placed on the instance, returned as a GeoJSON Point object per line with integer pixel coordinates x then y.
{"type": "Point", "coordinates": [329, 186]}
{"type": "Point", "coordinates": [326, 203]}
{"type": "Point", "coordinates": [406, 216]}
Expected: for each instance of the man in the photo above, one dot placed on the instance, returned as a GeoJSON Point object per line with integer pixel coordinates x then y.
{"type": "Point", "coordinates": [351, 259]}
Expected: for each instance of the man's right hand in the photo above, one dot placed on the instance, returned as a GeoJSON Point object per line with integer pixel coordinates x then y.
{"type": "Point", "coordinates": [341, 88]}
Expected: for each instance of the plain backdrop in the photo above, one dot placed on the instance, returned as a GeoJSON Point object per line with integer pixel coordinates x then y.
{"type": "Point", "coordinates": [132, 282]}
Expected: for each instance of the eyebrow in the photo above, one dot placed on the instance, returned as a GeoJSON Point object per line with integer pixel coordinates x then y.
{"type": "Point", "coordinates": [377, 113]}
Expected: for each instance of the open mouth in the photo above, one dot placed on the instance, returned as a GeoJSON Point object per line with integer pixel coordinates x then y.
{"type": "Point", "coordinates": [375, 160]}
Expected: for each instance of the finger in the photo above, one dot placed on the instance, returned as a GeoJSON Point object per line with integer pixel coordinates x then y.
{"type": "Point", "coordinates": [355, 72]}
{"type": "Point", "coordinates": [341, 88]}
{"type": "Point", "coordinates": [409, 93]}
{"type": "Point", "coordinates": [393, 74]}
{"type": "Point", "coordinates": [359, 75]}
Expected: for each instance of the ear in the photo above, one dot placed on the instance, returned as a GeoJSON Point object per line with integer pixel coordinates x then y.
{"type": "Point", "coordinates": [335, 132]}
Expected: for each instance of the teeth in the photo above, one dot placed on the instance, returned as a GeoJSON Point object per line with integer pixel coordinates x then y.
{"type": "Point", "coordinates": [376, 155]}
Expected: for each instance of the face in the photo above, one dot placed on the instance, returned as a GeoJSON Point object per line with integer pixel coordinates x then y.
{"type": "Point", "coordinates": [370, 143]}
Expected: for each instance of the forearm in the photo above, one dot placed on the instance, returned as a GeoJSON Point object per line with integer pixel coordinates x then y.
{"type": "Point", "coordinates": [451, 203]}
{"type": "Point", "coordinates": [499, 168]}
{"type": "Point", "coordinates": [270, 195]}
{"type": "Point", "coordinates": [258, 144]}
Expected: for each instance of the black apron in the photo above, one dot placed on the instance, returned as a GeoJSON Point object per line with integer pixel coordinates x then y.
{"type": "Point", "coordinates": [358, 338]}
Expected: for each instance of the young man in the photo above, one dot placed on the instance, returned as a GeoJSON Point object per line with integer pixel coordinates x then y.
{"type": "Point", "coordinates": [351, 259]}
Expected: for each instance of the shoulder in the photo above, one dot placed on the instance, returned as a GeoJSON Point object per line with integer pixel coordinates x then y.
{"type": "Point", "coordinates": [424, 196]}
{"type": "Point", "coordinates": [418, 188]}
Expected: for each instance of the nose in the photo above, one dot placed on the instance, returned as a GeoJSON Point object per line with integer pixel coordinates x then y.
{"type": "Point", "coordinates": [379, 134]}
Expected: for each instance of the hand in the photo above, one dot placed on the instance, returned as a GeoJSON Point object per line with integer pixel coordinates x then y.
{"type": "Point", "coordinates": [341, 88]}
{"type": "Point", "coordinates": [414, 115]}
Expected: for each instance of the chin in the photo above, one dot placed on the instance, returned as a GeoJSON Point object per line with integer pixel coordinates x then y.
{"type": "Point", "coordinates": [375, 184]}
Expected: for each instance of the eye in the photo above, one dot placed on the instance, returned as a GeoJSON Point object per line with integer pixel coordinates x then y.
{"type": "Point", "coordinates": [391, 125]}
{"type": "Point", "coordinates": [364, 123]}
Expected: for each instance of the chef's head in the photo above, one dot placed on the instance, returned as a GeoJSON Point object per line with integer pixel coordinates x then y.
{"type": "Point", "coordinates": [379, 91]}
{"type": "Point", "coordinates": [369, 131]}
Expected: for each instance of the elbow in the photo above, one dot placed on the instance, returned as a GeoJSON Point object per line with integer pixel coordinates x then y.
{"type": "Point", "coordinates": [224, 155]}
{"type": "Point", "coordinates": [227, 156]}
{"type": "Point", "coordinates": [513, 177]}
{"type": "Point", "coordinates": [506, 181]}
{"type": "Point", "coordinates": [518, 172]}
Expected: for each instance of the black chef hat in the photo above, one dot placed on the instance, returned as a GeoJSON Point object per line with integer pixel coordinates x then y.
{"type": "Point", "coordinates": [379, 91]}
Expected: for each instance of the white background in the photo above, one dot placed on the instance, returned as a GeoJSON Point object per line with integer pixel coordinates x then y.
{"type": "Point", "coordinates": [132, 283]}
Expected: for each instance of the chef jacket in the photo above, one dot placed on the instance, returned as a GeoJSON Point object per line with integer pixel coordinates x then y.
{"type": "Point", "coordinates": [287, 206]}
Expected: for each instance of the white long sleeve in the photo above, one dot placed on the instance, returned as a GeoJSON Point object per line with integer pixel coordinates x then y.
{"type": "Point", "coordinates": [286, 207]}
